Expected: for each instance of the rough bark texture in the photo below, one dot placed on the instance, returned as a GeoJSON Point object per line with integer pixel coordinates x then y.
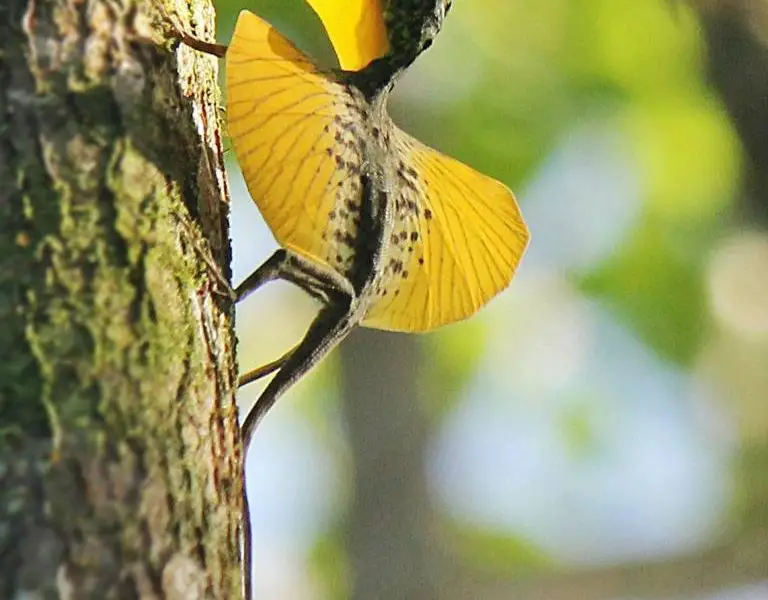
{"type": "Point", "coordinates": [119, 451]}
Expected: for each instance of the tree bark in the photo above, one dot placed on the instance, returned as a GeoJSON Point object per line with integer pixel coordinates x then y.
{"type": "Point", "coordinates": [392, 538]}
{"type": "Point", "coordinates": [120, 463]}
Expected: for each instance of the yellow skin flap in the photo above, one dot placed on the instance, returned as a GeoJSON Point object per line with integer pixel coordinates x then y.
{"type": "Point", "coordinates": [356, 30]}
{"type": "Point", "coordinates": [382, 230]}
{"type": "Point", "coordinates": [450, 238]}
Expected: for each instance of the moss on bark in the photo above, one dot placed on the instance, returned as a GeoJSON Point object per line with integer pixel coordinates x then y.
{"type": "Point", "coordinates": [119, 451]}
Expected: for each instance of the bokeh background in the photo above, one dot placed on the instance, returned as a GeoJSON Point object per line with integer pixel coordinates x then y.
{"type": "Point", "coordinates": [600, 430]}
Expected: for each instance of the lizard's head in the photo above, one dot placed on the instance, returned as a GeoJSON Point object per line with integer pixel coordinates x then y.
{"type": "Point", "coordinates": [412, 26]}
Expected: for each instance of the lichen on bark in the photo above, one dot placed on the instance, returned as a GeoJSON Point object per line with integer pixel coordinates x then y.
{"type": "Point", "coordinates": [120, 470]}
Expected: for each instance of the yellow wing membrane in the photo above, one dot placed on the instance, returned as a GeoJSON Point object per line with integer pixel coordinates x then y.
{"type": "Point", "coordinates": [285, 118]}
{"type": "Point", "coordinates": [356, 30]}
{"type": "Point", "coordinates": [461, 239]}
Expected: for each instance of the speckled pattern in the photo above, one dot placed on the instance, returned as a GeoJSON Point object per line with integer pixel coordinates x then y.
{"type": "Point", "coordinates": [366, 137]}
{"type": "Point", "coordinates": [421, 239]}
{"type": "Point", "coordinates": [343, 220]}
{"type": "Point", "coordinates": [371, 236]}
{"type": "Point", "coordinates": [404, 237]}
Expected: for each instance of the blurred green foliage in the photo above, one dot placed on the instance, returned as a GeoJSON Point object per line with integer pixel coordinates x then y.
{"type": "Point", "coordinates": [535, 72]}
{"type": "Point", "coordinates": [503, 86]}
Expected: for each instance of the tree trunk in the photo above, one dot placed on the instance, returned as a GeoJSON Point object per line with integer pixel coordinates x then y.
{"type": "Point", "coordinates": [120, 468]}
{"type": "Point", "coordinates": [392, 539]}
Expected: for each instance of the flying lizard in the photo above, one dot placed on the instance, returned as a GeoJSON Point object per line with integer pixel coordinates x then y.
{"type": "Point", "coordinates": [382, 230]}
